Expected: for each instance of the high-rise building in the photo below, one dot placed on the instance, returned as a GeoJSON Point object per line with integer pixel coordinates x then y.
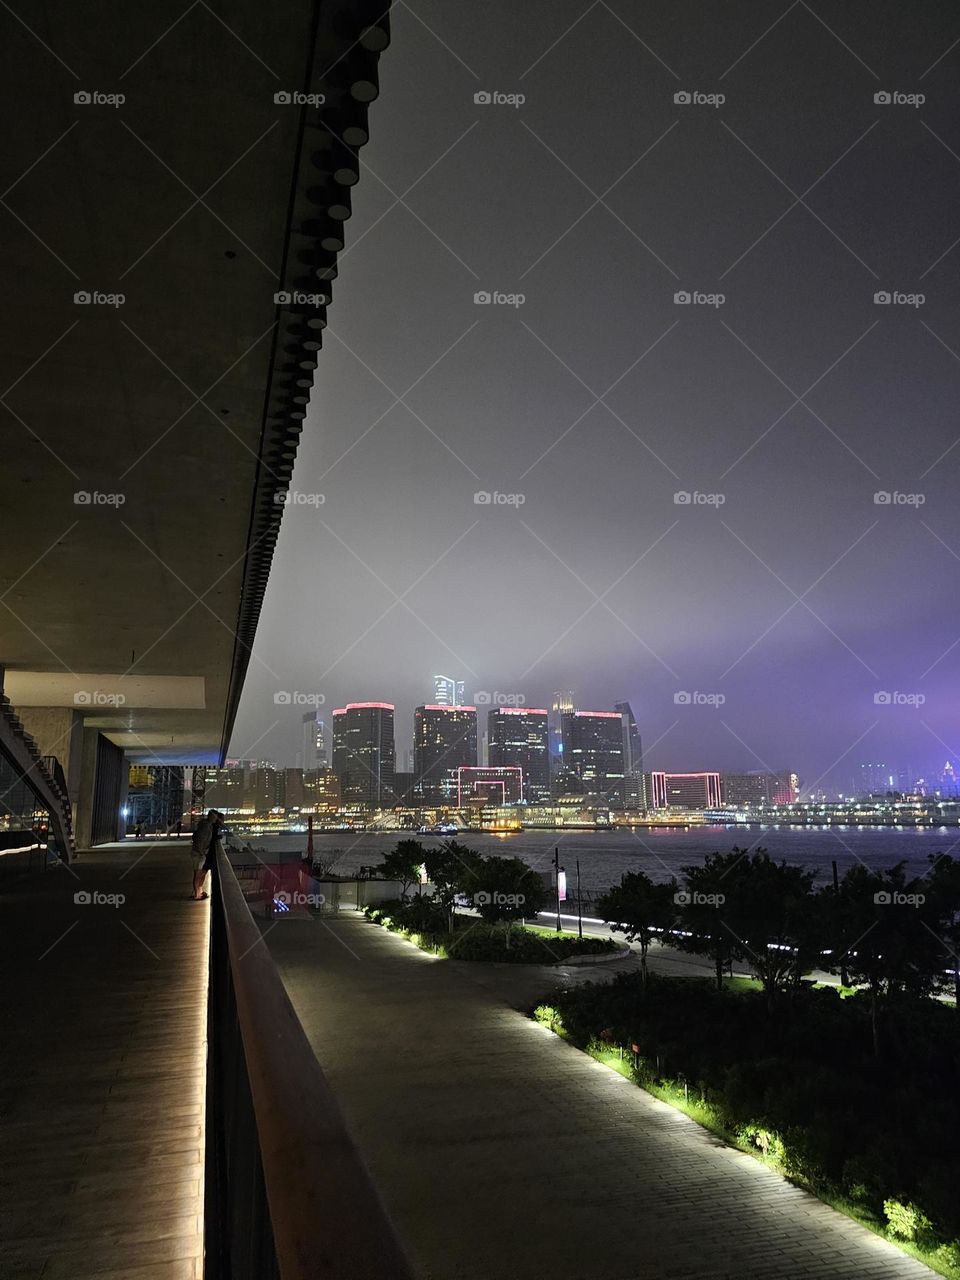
{"type": "Point", "coordinates": [683, 790]}
{"type": "Point", "coordinates": [225, 789]}
{"type": "Point", "coordinates": [263, 787]}
{"type": "Point", "coordinates": [321, 791]}
{"type": "Point", "coordinates": [293, 788]}
{"type": "Point", "coordinates": [314, 751]}
{"type": "Point", "coordinates": [520, 736]}
{"type": "Point", "coordinates": [444, 739]}
{"type": "Point", "coordinates": [563, 703]}
{"type": "Point", "coordinates": [405, 789]}
{"type": "Point", "coordinates": [593, 752]}
{"type": "Point", "coordinates": [634, 794]}
{"type": "Point", "coordinates": [447, 692]}
{"type": "Point", "coordinates": [363, 754]}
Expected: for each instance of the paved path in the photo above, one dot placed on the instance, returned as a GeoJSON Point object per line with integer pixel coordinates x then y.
{"type": "Point", "coordinates": [103, 1014]}
{"type": "Point", "coordinates": [501, 1152]}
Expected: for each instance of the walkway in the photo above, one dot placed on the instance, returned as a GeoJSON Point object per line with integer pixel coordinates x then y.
{"type": "Point", "coordinates": [501, 1151]}
{"type": "Point", "coordinates": [103, 1012]}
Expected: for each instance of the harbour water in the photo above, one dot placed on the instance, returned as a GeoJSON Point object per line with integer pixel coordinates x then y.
{"type": "Point", "coordinates": [605, 855]}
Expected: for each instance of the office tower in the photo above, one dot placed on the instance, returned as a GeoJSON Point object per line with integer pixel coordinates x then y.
{"type": "Point", "coordinates": [405, 789]}
{"type": "Point", "coordinates": [521, 736]}
{"type": "Point", "coordinates": [593, 751]}
{"type": "Point", "coordinates": [263, 787]}
{"type": "Point", "coordinates": [293, 788]}
{"type": "Point", "coordinates": [314, 753]}
{"type": "Point", "coordinates": [562, 704]}
{"type": "Point", "coordinates": [759, 787]}
{"type": "Point", "coordinates": [632, 757]}
{"type": "Point", "coordinates": [363, 754]}
{"type": "Point", "coordinates": [444, 739]}
{"type": "Point", "coordinates": [225, 789]}
{"type": "Point", "coordinates": [683, 790]}
{"type": "Point", "coordinates": [447, 692]}
{"type": "Point", "coordinates": [321, 791]}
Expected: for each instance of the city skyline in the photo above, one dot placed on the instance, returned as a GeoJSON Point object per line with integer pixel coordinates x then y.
{"type": "Point", "coordinates": [750, 498]}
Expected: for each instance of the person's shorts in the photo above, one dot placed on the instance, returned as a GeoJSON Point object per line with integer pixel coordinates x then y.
{"type": "Point", "coordinates": [198, 861]}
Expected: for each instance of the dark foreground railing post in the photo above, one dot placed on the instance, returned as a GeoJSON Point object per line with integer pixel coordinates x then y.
{"type": "Point", "coordinates": [287, 1196]}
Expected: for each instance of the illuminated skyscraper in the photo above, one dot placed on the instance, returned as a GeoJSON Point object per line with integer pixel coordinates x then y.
{"type": "Point", "coordinates": [447, 692]}
{"type": "Point", "coordinates": [363, 754]}
{"type": "Point", "coordinates": [314, 753]}
{"type": "Point", "coordinates": [563, 703]}
{"type": "Point", "coordinates": [444, 739]}
{"type": "Point", "coordinates": [632, 757]}
{"type": "Point", "coordinates": [520, 736]}
{"type": "Point", "coordinates": [593, 751]}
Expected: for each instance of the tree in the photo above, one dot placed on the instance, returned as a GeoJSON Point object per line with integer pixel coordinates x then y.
{"type": "Point", "coordinates": [403, 863]}
{"type": "Point", "coordinates": [508, 891]}
{"type": "Point", "coordinates": [452, 869]}
{"type": "Point", "coordinates": [640, 910]}
{"type": "Point", "coordinates": [894, 923]}
{"type": "Point", "coordinates": [699, 929]}
{"type": "Point", "coordinates": [944, 881]}
{"type": "Point", "coordinates": [770, 914]}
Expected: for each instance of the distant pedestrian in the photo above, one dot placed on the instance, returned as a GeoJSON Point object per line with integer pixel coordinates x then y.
{"type": "Point", "coordinates": [179, 827]}
{"type": "Point", "coordinates": [139, 834]}
{"type": "Point", "coordinates": [204, 842]}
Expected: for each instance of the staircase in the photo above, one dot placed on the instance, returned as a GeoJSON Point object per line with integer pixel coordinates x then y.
{"type": "Point", "coordinates": [42, 774]}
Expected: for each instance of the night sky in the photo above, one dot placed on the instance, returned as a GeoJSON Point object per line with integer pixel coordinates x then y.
{"type": "Point", "coordinates": [799, 599]}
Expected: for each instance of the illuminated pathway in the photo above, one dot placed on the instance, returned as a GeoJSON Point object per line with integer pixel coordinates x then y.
{"type": "Point", "coordinates": [501, 1151]}
{"type": "Point", "coordinates": [104, 1042]}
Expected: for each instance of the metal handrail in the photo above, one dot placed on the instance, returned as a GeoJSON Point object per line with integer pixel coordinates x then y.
{"type": "Point", "coordinates": [288, 1194]}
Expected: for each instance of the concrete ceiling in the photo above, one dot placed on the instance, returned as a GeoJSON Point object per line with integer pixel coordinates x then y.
{"type": "Point", "coordinates": [173, 413]}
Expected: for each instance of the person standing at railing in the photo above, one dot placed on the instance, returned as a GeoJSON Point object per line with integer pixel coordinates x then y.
{"type": "Point", "coordinates": [206, 840]}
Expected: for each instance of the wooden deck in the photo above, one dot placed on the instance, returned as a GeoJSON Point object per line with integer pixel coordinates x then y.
{"type": "Point", "coordinates": [103, 1009]}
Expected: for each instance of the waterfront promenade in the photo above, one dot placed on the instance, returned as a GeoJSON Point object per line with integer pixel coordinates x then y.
{"type": "Point", "coordinates": [501, 1151]}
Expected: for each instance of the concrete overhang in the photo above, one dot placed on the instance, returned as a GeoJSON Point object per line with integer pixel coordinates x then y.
{"type": "Point", "coordinates": [148, 442]}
